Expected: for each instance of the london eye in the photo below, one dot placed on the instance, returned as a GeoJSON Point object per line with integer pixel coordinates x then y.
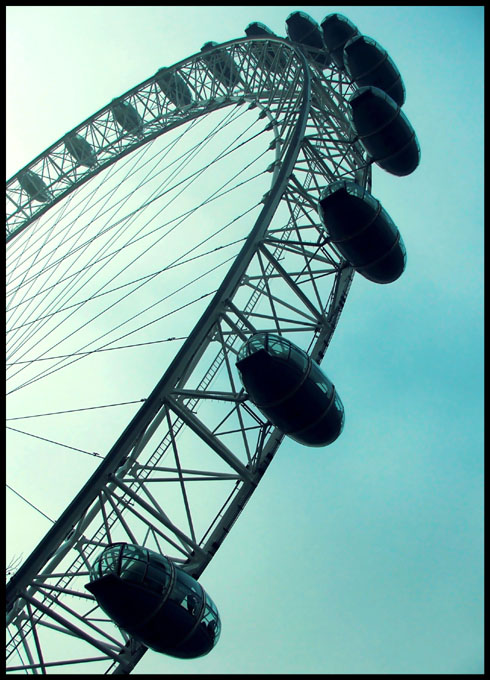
{"type": "Point", "coordinates": [191, 244]}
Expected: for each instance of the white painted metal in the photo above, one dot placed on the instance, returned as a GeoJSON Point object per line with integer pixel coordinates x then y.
{"type": "Point", "coordinates": [286, 279]}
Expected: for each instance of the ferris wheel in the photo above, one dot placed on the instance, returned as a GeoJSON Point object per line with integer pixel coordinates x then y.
{"type": "Point", "coordinates": [194, 241]}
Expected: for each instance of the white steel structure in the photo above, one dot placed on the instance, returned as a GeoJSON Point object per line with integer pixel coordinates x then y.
{"type": "Point", "coordinates": [181, 472]}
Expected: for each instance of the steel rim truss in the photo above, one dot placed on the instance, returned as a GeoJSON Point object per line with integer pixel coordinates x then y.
{"type": "Point", "coordinates": [198, 426]}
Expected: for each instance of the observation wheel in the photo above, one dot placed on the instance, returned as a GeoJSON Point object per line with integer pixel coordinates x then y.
{"type": "Point", "coordinates": [144, 249]}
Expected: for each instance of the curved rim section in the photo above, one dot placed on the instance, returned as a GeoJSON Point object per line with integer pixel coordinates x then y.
{"type": "Point", "coordinates": [61, 173]}
{"type": "Point", "coordinates": [314, 146]}
{"type": "Point", "coordinates": [174, 373]}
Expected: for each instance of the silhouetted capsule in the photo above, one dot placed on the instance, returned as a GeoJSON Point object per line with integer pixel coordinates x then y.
{"type": "Point", "coordinates": [274, 58]}
{"type": "Point", "coordinates": [302, 29]}
{"type": "Point", "coordinates": [34, 186]}
{"type": "Point", "coordinates": [127, 117]}
{"type": "Point", "coordinates": [81, 150]}
{"type": "Point", "coordinates": [154, 601]}
{"type": "Point", "coordinates": [362, 231]}
{"type": "Point", "coordinates": [256, 29]}
{"type": "Point", "coordinates": [384, 131]}
{"type": "Point", "coordinates": [337, 30]}
{"type": "Point", "coordinates": [367, 63]}
{"type": "Point", "coordinates": [290, 389]}
{"type": "Point", "coordinates": [221, 64]}
{"type": "Point", "coordinates": [173, 87]}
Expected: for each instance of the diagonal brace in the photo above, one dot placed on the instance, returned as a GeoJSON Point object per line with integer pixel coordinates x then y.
{"type": "Point", "coordinates": [294, 287]}
{"type": "Point", "coordinates": [209, 438]}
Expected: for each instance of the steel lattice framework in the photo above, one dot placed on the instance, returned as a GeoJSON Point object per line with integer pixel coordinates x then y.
{"type": "Point", "coordinates": [197, 430]}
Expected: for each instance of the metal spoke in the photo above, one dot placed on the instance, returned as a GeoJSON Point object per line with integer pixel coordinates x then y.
{"type": "Point", "coordinates": [197, 426]}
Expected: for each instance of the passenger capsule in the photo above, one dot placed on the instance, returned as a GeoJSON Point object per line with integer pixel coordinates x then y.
{"type": "Point", "coordinates": [154, 601]}
{"type": "Point", "coordinates": [34, 186]}
{"type": "Point", "coordinates": [337, 30]}
{"type": "Point", "coordinates": [362, 231]}
{"type": "Point", "coordinates": [367, 63]}
{"type": "Point", "coordinates": [81, 150]}
{"type": "Point", "coordinates": [273, 57]}
{"type": "Point", "coordinates": [384, 131]}
{"type": "Point", "coordinates": [290, 389]}
{"type": "Point", "coordinates": [173, 87]}
{"type": "Point", "coordinates": [127, 117]}
{"type": "Point", "coordinates": [257, 29]}
{"type": "Point", "coordinates": [220, 64]}
{"type": "Point", "coordinates": [302, 29]}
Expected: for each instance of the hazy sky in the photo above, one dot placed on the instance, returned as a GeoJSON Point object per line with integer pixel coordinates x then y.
{"type": "Point", "coordinates": [367, 556]}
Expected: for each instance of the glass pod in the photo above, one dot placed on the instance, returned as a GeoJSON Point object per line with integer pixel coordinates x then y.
{"type": "Point", "coordinates": [304, 30]}
{"type": "Point", "coordinates": [362, 231]}
{"type": "Point", "coordinates": [337, 30]}
{"type": "Point", "coordinates": [154, 601]}
{"type": "Point", "coordinates": [290, 389]}
{"type": "Point", "coordinates": [367, 63]}
{"type": "Point", "coordinates": [271, 57]}
{"type": "Point", "coordinates": [221, 64]}
{"type": "Point", "coordinates": [384, 131]}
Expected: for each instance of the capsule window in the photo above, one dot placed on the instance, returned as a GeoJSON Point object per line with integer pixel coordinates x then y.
{"type": "Point", "coordinates": [187, 592]}
{"type": "Point", "coordinates": [133, 564]}
{"type": "Point", "coordinates": [321, 380]}
{"type": "Point", "coordinates": [157, 576]}
{"type": "Point", "coordinates": [258, 28]}
{"type": "Point", "coordinates": [133, 552]}
{"type": "Point", "coordinates": [370, 41]}
{"type": "Point", "coordinates": [278, 347]}
{"type": "Point", "coordinates": [275, 346]}
{"type": "Point", "coordinates": [298, 358]}
{"type": "Point", "coordinates": [350, 187]}
{"type": "Point", "coordinates": [404, 250]}
{"type": "Point", "coordinates": [211, 621]}
{"type": "Point", "coordinates": [107, 562]}
{"type": "Point", "coordinates": [254, 344]}
{"type": "Point", "coordinates": [355, 190]}
{"type": "Point", "coordinates": [340, 409]}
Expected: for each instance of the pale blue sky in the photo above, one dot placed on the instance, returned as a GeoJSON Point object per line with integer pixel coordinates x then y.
{"type": "Point", "coordinates": [367, 556]}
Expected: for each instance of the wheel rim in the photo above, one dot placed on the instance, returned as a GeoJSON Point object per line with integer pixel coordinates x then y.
{"type": "Point", "coordinates": [233, 313]}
